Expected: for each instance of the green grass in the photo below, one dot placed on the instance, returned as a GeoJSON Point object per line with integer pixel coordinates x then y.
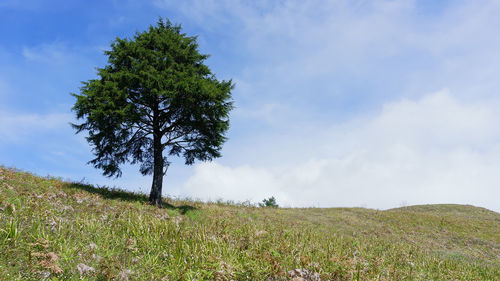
{"type": "Point", "coordinates": [56, 230]}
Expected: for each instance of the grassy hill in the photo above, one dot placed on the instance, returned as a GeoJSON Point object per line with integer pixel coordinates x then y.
{"type": "Point", "coordinates": [56, 230]}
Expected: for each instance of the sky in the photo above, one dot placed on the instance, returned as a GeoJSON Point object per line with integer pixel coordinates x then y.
{"type": "Point", "coordinates": [348, 103]}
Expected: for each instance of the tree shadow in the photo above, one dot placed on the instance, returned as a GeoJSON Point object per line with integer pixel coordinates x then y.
{"type": "Point", "coordinates": [122, 195]}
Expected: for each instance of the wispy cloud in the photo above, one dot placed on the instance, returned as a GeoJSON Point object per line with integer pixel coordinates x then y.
{"type": "Point", "coordinates": [54, 53]}
{"type": "Point", "coordinates": [322, 46]}
{"type": "Point", "coordinates": [16, 127]}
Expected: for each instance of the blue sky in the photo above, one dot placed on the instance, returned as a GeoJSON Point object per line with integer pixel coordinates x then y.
{"type": "Point", "coordinates": [338, 103]}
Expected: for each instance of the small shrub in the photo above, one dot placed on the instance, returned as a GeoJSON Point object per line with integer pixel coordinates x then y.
{"type": "Point", "coordinates": [270, 202]}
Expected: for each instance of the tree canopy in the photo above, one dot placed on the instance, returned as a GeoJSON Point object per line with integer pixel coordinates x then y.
{"type": "Point", "coordinates": [155, 94]}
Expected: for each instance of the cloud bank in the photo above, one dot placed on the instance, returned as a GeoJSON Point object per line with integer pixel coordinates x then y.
{"type": "Point", "coordinates": [436, 149]}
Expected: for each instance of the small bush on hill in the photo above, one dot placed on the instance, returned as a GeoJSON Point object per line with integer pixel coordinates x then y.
{"type": "Point", "coordinates": [270, 202]}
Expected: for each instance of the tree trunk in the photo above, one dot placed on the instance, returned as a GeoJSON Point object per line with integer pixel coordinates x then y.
{"type": "Point", "coordinates": [155, 195]}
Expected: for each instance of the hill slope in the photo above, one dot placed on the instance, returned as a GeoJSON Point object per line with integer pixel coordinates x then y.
{"type": "Point", "coordinates": [55, 230]}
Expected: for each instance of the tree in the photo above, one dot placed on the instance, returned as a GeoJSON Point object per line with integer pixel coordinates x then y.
{"type": "Point", "coordinates": [270, 202]}
{"type": "Point", "coordinates": [154, 94]}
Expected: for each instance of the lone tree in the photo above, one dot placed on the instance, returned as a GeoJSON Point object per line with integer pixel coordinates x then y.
{"type": "Point", "coordinates": [154, 94]}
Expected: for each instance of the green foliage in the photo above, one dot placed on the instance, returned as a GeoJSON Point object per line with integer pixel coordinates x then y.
{"type": "Point", "coordinates": [154, 94]}
{"type": "Point", "coordinates": [49, 229]}
{"type": "Point", "coordinates": [270, 202]}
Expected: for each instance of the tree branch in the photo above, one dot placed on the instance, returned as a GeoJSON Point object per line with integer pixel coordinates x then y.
{"type": "Point", "coordinates": [139, 127]}
{"type": "Point", "coordinates": [170, 140]}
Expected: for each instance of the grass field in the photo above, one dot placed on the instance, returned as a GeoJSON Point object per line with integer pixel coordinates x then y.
{"type": "Point", "coordinates": [56, 230]}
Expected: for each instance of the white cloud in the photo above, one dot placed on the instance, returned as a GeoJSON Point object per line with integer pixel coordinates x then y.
{"type": "Point", "coordinates": [271, 113]}
{"type": "Point", "coordinates": [441, 118]}
{"type": "Point", "coordinates": [47, 53]}
{"type": "Point", "coordinates": [20, 126]}
{"type": "Point", "coordinates": [437, 149]}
